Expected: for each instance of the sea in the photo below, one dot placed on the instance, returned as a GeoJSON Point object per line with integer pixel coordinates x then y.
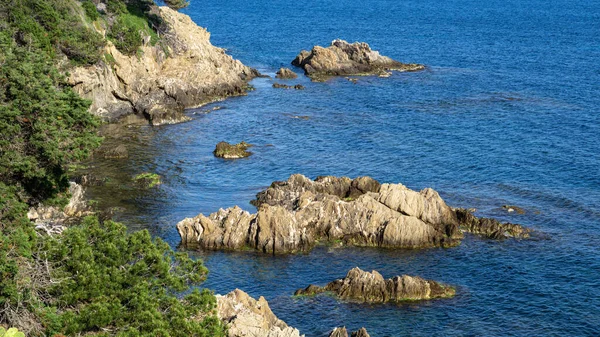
{"type": "Point", "coordinates": [507, 112]}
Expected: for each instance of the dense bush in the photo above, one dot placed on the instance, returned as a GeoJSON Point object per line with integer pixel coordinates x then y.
{"type": "Point", "coordinates": [125, 282]}
{"type": "Point", "coordinates": [90, 10]}
{"type": "Point", "coordinates": [52, 25]}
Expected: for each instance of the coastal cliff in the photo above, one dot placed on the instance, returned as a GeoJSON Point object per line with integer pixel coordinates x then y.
{"type": "Point", "coordinates": [159, 81]}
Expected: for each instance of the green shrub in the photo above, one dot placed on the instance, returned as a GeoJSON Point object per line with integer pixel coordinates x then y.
{"type": "Point", "coordinates": [90, 10]}
{"type": "Point", "coordinates": [127, 31]}
{"type": "Point", "coordinates": [12, 332]}
{"type": "Point", "coordinates": [126, 282]}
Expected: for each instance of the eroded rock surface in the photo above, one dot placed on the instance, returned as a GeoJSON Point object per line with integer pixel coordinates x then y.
{"type": "Point", "coordinates": [53, 220]}
{"type": "Point", "coordinates": [296, 214]}
{"type": "Point", "coordinates": [229, 151]}
{"type": "Point", "coordinates": [490, 228]}
{"type": "Point", "coordinates": [342, 332]}
{"type": "Point", "coordinates": [285, 73]}
{"type": "Point", "coordinates": [247, 317]}
{"type": "Point", "coordinates": [342, 59]}
{"type": "Point", "coordinates": [362, 286]}
{"type": "Point", "coordinates": [160, 81]}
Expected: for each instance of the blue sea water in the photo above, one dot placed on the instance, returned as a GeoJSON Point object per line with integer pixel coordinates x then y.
{"type": "Point", "coordinates": [507, 112]}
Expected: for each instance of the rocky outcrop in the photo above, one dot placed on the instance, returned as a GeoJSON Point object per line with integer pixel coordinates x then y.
{"type": "Point", "coordinates": [295, 215]}
{"type": "Point", "coordinates": [343, 59]}
{"type": "Point", "coordinates": [229, 151]}
{"type": "Point", "coordinates": [285, 86]}
{"type": "Point", "coordinates": [183, 70]}
{"type": "Point", "coordinates": [362, 286]}
{"type": "Point", "coordinates": [285, 73]}
{"type": "Point", "coordinates": [490, 228]}
{"type": "Point", "coordinates": [247, 317]}
{"type": "Point", "coordinates": [342, 332]}
{"type": "Point", "coordinates": [52, 219]}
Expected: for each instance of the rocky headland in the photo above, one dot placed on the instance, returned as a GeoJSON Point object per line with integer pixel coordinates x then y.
{"type": "Point", "coordinates": [295, 215]}
{"type": "Point", "coordinates": [246, 317]}
{"type": "Point", "coordinates": [342, 59]}
{"type": "Point", "coordinates": [184, 70]}
{"type": "Point", "coordinates": [362, 286]}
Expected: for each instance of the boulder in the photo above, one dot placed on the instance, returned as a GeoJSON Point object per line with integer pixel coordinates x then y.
{"type": "Point", "coordinates": [229, 151]}
{"type": "Point", "coordinates": [342, 59]}
{"type": "Point", "coordinates": [285, 73]}
{"type": "Point", "coordinates": [362, 286]}
{"type": "Point", "coordinates": [247, 317]}
{"type": "Point", "coordinates": [183, 71]}
{"type": "Point", "coordinates": [294, 215]}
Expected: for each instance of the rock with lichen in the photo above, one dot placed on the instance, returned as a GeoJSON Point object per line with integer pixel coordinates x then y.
{"type": "Point", "coordinates": [232, 151]}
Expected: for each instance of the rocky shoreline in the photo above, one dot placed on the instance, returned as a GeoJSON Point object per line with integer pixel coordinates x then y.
{"type": "Point", "coordinates": [185, 70]}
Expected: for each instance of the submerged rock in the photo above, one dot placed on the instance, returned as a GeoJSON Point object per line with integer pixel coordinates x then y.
{"type": "Point", "coordinates": [229, 151]}
{"type": "Point", "coordinates": [285, 73]}
{"type": "Point", "coordinates": [362, 286]}
{"type": "Point", "coordinates": [285, 86]}
{"type": "Point", "coordinates": [343, 59]}
{"type": "Point", "coordinates": [512, 208]}
{"type": "Point", "coordinates": [183, 71]}
{"type": "Point", "coordinates": [490, 228]}
{"type": "Point", "coordinates": [247, 317]}
{"type": "Point", "coordinates": [295, 215]}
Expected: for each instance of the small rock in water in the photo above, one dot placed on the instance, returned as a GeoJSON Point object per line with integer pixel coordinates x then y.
{"type": "Point", "coordinates": [228, 151]}
{"type": "Point", "coordinates": [285, 73]}
{"type": "Point", "coordinates": [285, 86]}
{"type": "Point", "coordinates": [512, 208]}
{"type": "Point", "coordinates": [362, 286]}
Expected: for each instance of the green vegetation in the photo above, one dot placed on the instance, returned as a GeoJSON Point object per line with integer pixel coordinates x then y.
{"type": "Point", "coordinates": [90, 10]}
{"type": "Point", "coordinates": [147, 179]}
{"type": "Point", "coordinates": [95, 278]}
{"type": "Point", "coordinates": [126, 282]}
{"type": "Point", "coordinates": [12, 332]}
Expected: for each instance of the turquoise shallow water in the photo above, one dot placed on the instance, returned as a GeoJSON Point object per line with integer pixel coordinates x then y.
{"type": "Point", "coordinates": [507, 112]}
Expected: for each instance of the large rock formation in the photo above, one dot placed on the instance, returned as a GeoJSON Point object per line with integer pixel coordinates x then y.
{"type": "Point", "coordinates": [343, 58]}
{"type": "Point", "coordinates": [297, 214]}
{"type": "Point", "coordinates": [362, 286]}
{"type": "Point", "coordinates": [247, 317]}
{"type": "Point", "coordinates": [184, 70]}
